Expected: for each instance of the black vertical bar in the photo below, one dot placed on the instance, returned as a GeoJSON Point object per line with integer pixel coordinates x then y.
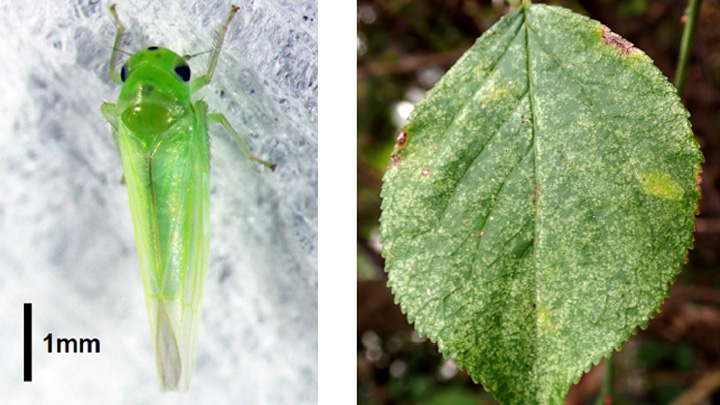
{"type": "Point", "coordinates": [27, 332]}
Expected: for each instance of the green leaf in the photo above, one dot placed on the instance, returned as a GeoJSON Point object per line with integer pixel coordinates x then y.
{"type": "Point", "coordinates": [539, 202]}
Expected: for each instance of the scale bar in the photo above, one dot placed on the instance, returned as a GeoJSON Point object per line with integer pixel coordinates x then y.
{"type": "Point", "coordinates": [27, 332]}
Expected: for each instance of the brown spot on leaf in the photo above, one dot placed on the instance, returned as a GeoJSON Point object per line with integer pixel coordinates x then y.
{"type": "Point", "coordinates": [401, 139]}
{"type": "Point", "coordinates": [394, 161]}
{"type": "Point", "coordinates": [399, 146]}
{"type": "Point", "coordinates": [425, 171]}
{"type": "Point", "coordinates": [611, 38]}
{"type": "Point", "coordinates": [698, 178]}
{"type": "Point", "coordinates": [698, 181]}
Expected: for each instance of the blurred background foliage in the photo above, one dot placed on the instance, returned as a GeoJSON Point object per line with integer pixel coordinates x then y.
{"type": "Point", "coordinates": [403, 48]}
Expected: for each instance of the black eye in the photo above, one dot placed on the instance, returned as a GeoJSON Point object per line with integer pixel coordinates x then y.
{"type": "Point", "coordinates": [183, 71]}
{"type": "Point", "coordinates": [153, 48]}
{"type": "Point", "coordinates": [123, 73]}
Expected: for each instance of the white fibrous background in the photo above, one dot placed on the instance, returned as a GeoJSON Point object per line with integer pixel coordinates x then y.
{"type": "Point", "coordinates": [67, 243]}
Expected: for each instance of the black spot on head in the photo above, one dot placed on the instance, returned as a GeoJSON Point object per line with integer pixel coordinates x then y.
{"type": "Point", "coordinates": [153, 48]}
{"type": "Point", "coordinates": [183, 71]}
{"type": "Point", "coordinates": [123, 73]}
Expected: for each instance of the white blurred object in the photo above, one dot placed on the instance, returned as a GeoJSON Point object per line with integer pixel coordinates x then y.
{"type": "Point", "coordinates": [66, 237]}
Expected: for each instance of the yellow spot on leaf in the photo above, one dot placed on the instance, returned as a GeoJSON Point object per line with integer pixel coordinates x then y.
{"type": "Point", "coordinates": [661, 185]}
{"type": "Point", "coordinates": [544, 320]}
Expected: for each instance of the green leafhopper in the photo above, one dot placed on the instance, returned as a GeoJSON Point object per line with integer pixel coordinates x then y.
{"type": "Point", "coordinates": [162, 139]}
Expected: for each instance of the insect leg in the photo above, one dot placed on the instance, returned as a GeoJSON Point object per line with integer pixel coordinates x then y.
{"type": "Point", "coordinates": [108, 111]}
{"type": "Point", "coordinates": [201, 81]}
{"type": "Point", "coordinates": [217, 118]}
{"type": "Point", "coordinates": [116, 47]}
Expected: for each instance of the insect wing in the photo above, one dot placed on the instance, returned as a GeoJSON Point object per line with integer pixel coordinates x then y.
{"type": "Point", "coordinates": [168, 186]}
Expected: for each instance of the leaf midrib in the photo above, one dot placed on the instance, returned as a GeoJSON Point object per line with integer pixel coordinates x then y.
{"type": "Point", "coordinates": [531, 101]}
{"type": "Point", "coordinates": [535, 135]}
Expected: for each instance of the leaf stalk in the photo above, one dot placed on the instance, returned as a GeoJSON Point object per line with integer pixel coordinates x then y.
{"type": "Point", "coordinates": [605, 395]}
{"type": "Point", "coordinates": [690, 17]}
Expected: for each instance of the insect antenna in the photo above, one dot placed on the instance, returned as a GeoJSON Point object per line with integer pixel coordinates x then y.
{"type": "Point", "coordinates": [120, 50]}
{"type": "Point", "coordinates": [188, 57]}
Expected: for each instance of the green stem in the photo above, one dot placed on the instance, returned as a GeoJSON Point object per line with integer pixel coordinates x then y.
{"type": "Point", "coordinates": [691, 13]}
{"type": "Point", "coordinates": [606, 387]}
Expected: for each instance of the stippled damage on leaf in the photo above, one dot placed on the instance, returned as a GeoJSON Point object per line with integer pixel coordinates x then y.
{"type": "Point", "coordinates": [611, 38]}
{"type": "Point", "coordinates": [399, 146]}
